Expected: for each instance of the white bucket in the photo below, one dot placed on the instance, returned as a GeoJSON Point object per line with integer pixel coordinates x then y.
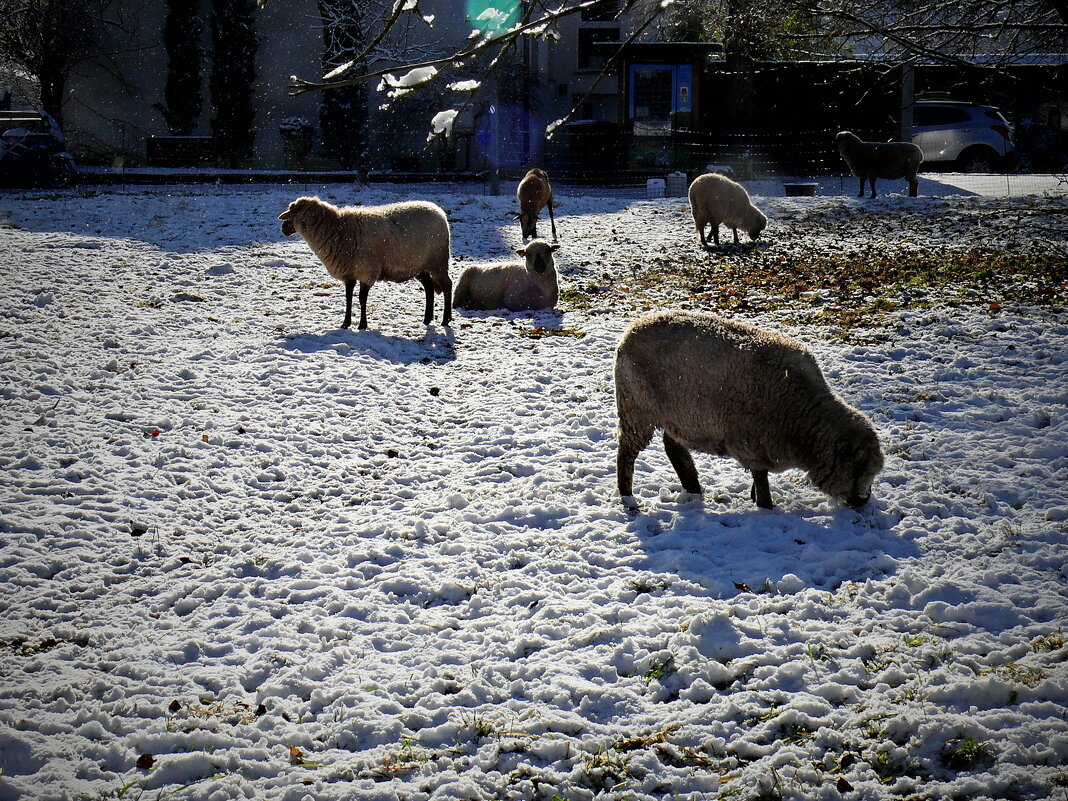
{"type": "Point", "coordinates": [654, 188]}
{"type": "Point", "coordinates": [676, 185]}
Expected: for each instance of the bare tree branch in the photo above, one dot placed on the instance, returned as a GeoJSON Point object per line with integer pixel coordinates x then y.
{"type": "Point", "coordinates": [300, 86]}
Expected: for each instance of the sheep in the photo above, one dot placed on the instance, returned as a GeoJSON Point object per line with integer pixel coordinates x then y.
{"type": "Point", "coordinates": [716, 199]}
{"type": "Point", "coordinates": [517, 287]}
{"type": "Point", "coordinates": [396, 242]}
{"type": "Point", "coordinates": [730, 389]}
{"type": "Point", "coordinates": [871, 160]}
{"type": "Point", "coordinates": [534, 193]}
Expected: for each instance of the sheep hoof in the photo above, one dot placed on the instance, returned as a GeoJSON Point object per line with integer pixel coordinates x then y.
{"type": "Point", "coordinates": [630, 503]}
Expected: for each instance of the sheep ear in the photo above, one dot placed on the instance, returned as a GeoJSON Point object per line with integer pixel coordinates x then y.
{"type": "Point", "coordinates": [554, 246]}
{"type": "Point", "coordinates": [522, 251]}
{"type": "Point", "coordinates": [516, 215]}
{"type": "Point", "coordinates": [285, 215]}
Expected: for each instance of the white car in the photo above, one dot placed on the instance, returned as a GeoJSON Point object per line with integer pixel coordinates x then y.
{"type": "Point", "coordinates": [969, 136]}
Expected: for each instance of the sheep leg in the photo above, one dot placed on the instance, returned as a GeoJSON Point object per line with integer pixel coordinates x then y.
{"type": "Point", "coordinates": [446, 314]}
{"type": "Point", "coordinates": [428, 285]}
{"type": "Point", "coordinates": [631, 443]}
{"type": "Point", "coordinates": [760, 491]}
{"type": "Point", "coordinates": [871, 182]}
{"type": "Point", "coordinates": [735, 235]}
{"type": "Point", "coordinates": [701, 233]}
{"type": "Point", "coordinates": [364, 290]}
{"type": "Point", "coordinates": [715, 232]}
{"type": "Point", "coordinates": [552, 221]}
{"type": "Point", "coordinates": [682, 461]}
{"type": "Point", "coordinates": [914, 185]}
{"type": "Point", "coordinates": [863, 180]}
{"type": "Point", "coordinates": [349, 286]}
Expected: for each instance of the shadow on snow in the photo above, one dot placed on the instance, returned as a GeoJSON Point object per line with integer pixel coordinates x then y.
{"type": "Point", "coordinates": [437, 347]}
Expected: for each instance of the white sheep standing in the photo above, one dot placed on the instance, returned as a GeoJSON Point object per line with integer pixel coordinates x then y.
{"type": "Point", "coordinates": [529, 285]}
{"type": "Point", "coordinates": [716, 199]}
{"type": "Point", "coordinates": [366, 244]}
{"type": "Point", "coordinates": [871, 160]}
{"type": "Point", "coordinates": [534, 193]}
{"type": "Point", "coordinates": [730, 389]}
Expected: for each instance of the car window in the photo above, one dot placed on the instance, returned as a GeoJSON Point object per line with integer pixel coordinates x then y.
{"type": "Point", "coordinates": [938, 115]}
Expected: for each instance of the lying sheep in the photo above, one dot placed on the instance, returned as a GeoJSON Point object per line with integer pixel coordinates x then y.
{"type": "Point", "coordinates": [716, 199]}
{"type": "Point", "coordinates": [871, 160]}
{"type": "Point", "coordinates": [516, 287]}
{"type": "Point", "coordinates": [397, 242]}
{"type": "Point", "coordinates": [727, 388]}
{"type": "Point", "coordinates": [534, 193]}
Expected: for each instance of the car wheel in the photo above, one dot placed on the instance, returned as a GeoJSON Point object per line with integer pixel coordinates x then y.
{"type": "Point", "coordinates": [979, 159]}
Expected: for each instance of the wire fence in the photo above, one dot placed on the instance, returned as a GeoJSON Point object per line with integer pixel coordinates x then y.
{"type": "Point", "coordinates": [595, 153]}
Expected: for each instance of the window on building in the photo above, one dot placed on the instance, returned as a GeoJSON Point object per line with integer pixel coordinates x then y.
{"type": "Point", "coordinates": [589, 57]}
{"type": "Point", "coordinates": [652, 88]}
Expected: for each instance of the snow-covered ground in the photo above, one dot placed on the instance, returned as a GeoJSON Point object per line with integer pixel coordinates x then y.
{"type": "Point", "coordinates": [246, 554]}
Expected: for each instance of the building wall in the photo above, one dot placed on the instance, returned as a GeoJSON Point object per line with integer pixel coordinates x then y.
{"type": "Point", "coordinates": [109, 113]}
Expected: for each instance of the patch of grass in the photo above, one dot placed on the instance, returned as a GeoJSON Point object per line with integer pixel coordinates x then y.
{"type": "Point", "coordinates": [483, 727]}
{"type": "Point", "coordinates": [407, 757]}
{"type": "Point", "coordinates": [1051, 642]}
{"type": "Point", "coordinates": [647, 585]}
{"type": "Point", "coordinates": [858, 288]}
{"type": "Point", "coordinates": [659, 670]}
{"type": "Point", "coordinates": [637, 743]}
{"type": "Point", "coordinates": [608, 769]}
{"type": "Point", "coordinates": [872, 729]}
{"type": "Point", "coordinates": [22, 646]}
{"type": "Point", "coordinates": [964, 753]}
{"type": "Point", "coordinates": [816, 653]}
{"type": "Point", "coordinates": [1020, 674]}
{"type": "Point", "coordinates": [575, 299]}
{"type": "Point", "coordinates": [541, 332]}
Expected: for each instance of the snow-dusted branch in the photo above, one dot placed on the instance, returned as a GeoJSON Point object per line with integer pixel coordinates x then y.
{"type": "Point", "coordinates": [481, 46]}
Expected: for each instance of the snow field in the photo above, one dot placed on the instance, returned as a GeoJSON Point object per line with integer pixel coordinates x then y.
{"type": "Point", "coordinates": [390, 564]}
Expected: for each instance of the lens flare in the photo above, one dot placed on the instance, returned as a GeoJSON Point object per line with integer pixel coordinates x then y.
{"type": "Point", "coordinates": [492, 16]}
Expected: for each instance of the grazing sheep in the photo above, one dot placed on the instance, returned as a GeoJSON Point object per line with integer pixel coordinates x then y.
{"type": "Point", "coordinates": [730, 389]}
{"type": "Point", "coordinates": [534, 193]}
{"type": "Point", "coordinates": [871, 160]}
{"type": "Point", "coordinates": [716, 199]}
{"type": "Point", "coordinates": [397, 242]}
{"type": "Point", "coordinates": [516, 287]}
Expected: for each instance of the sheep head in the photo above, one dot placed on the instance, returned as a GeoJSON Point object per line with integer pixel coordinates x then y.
{"type": "Point", "coordinates": [296, 211]}
{"type": "Point", "coordinates": [539, 255]}
{"type": "Point", "coordinates": [759, 223]}
{"type": "Point", "coordinates": [845, 140]}
{"type": "Point", "coordinates": [856, 459]}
